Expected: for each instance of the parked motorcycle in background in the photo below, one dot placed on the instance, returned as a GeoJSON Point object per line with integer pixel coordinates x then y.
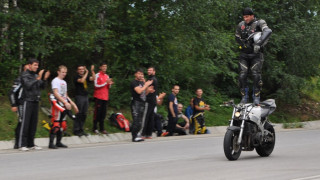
{"type": "Point", "coordinates": [250, 129]}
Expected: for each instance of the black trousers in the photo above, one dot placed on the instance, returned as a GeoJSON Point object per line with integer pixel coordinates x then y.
{"type": "Point", "coordinates": [180, 131]}
{"type": "Point", "coordinates": [137, 111]}
{"type": "Point", "coordinates": [100, 112]}
{"type": "Point", "coordinates": [157, 123]}
{"type": "Point", "coordinates": [172, 122]}
{"type": "Point", "coordinates": [18, 128]}
{"type": "Point", "coordinates": [82, 103]}
{"type": "Point", "coordinates": [250, 63]}
{"type": "Point", "coordinates": [149, 120]}
{"type": "Point", "coordinates": [29, 124]}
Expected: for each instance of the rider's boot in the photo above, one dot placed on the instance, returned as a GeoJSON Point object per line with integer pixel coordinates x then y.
{"type": "Point", "coordinates": [256, 97]}
{"type": "Point", "coordinates": [256, 100]}
{"type": "Point", "coordinates": [245, 96]}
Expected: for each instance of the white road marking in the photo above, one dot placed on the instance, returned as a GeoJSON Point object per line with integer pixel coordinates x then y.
{"type": "Point", "coordinates": [308, 178]}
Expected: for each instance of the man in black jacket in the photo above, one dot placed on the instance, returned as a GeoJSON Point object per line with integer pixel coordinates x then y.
{"type": "Point", "coordinates": [16, 100]}
{"type": "Point", "coordinates": [139, 90]}
{"type": "Point", "coordinates": [32, 84]}
{"type": "Point", "coordinates": [151, 104]}
{"type": "Point", "coordinates": [252, 35]}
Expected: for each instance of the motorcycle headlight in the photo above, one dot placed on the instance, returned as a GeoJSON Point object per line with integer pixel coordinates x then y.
{"type": "Point", "coordinates": [237, 114]}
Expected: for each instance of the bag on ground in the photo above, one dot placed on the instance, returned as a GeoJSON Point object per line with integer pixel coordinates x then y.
{"type": "Point", "coordinates": [118, 120]}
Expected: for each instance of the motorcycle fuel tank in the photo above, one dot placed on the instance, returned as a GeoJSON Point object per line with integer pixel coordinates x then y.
{"type": "Point", "coordinates": [255, 114]}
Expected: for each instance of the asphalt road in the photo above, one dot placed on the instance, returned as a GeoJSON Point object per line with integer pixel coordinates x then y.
{"type": "Point", "coordinates": [296, 156]}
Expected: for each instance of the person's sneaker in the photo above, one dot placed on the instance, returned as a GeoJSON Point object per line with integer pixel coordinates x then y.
{"type": "Point", "coordinates": [52, 146]}
{"type": "Point", "coordinates": [36, 147]}
{"type": "Point", "coordinates": [61, 145]}
{"type": "Point", "coordinates": [96, 131]}
{"type": "Point", "coordinates": [24, 149]}
{"type": "Point", "coordinates": [165, 134]}
{"type": "Point", "coordinates": [137, 139]}
{"type": "Point", "coordinates": [105, 132]}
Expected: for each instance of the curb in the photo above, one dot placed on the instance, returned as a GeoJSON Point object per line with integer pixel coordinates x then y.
{"type": "Point", "coordinates": [126, 136]}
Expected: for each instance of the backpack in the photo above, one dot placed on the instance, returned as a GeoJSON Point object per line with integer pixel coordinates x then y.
{"type": "Point", "coordinates": [118, 120]}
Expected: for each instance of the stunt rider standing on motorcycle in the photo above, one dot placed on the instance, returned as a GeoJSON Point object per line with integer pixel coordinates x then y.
{"type": "Point", "coordinates": [252, 35]}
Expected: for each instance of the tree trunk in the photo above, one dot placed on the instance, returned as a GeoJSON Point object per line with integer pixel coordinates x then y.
{"type": "Point", "coordinates": [5, 28]}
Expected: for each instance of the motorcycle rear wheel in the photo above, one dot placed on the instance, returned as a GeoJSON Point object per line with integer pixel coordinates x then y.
{"type": "Point", "coordinates": [232, 151]}
{"type": "Point", "coordinates": [266, 148]}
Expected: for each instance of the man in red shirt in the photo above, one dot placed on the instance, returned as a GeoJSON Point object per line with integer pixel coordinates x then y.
{"type": "Point", "coordinates": [102, 84]}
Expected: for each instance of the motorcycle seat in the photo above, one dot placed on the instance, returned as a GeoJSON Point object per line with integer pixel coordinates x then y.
{"type": "Point", "coordinates": [268, 102]}
{"type": "Point", "coordinates": [267, 107]}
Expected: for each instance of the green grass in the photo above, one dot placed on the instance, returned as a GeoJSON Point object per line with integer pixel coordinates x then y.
{"type": "Point", "coordinates": [218, 117]}
{"type": "Point", "coordinates": [314, 90]}
{"type": "Point", "coordinates": [292, 125]}
{"type": "Point", "coordinates": [8, 120]}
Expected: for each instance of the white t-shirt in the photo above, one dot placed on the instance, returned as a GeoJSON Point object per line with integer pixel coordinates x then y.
{"type": "Point", "coordinates": [61, 85]}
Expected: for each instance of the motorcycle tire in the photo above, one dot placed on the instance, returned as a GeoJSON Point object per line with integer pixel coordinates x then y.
{"type": "Point", "coordinates": [232, 151]}
{"type": "Point", "coordinates": [266, 148]}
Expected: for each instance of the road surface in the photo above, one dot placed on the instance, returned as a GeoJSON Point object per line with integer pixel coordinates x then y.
{"type": "Point", "coordinates": [296, 156]}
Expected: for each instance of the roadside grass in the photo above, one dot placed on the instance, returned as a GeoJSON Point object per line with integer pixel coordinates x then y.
{"type": "Point", "coordinates": [292, 125]}
{"type": "Point", "coordinates": [8, 120]}
{"type": "Point", "coordinates": [313, 91]}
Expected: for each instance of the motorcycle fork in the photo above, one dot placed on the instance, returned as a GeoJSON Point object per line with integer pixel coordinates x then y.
{"type": "Point", "coordinates": [231, 122]}
{"type": "Point", "coordinates": [242, 127]}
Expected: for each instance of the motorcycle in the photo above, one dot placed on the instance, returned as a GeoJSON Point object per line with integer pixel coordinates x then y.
{"type": "Point", "coordinates": [250, 129]}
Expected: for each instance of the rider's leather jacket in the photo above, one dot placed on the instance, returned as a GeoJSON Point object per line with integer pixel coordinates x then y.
{"type": "Point", "coordinates": [31, 86]}
{"type": "Point", "coordinates": [244, 35]}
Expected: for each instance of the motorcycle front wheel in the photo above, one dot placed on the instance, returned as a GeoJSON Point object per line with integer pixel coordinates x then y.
{"type": "Point", "coordinates": [232, 150]}
{"type": "Point", "coordinates": [266, 148]}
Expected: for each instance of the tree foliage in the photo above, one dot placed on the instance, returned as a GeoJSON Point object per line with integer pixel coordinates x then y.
{"type": "Point", "coordinates": [191, 43]}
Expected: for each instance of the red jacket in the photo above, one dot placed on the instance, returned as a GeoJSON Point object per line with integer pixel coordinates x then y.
{"type": "Point", "coordinates": [101, 87]}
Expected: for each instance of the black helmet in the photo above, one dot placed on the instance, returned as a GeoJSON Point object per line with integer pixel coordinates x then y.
{"type": "Point", "coordinates": [247, 11]}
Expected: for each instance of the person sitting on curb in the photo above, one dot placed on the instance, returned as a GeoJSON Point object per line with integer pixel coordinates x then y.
{"type": "Point", "coordinates": [182, 127]}
{"type": "Point", "coordinates": [189, 109]}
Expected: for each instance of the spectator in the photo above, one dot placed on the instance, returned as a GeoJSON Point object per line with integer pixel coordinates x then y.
{"type": "Point", "coordinates": [32, 85]}
{"type": "Point", "coordinates": [81, 98]}
{"type": "Point", "coordinates": [181, 127]}
{"type": "Point", "coordinates": [138, 89]}
{"type": "Point", "coordinates": [173, 111]}
{"type": "Point", "coordinates": [151, 104]}
{"type": "Point", "coordinates": [61, 106]}
{"type": "Point", "coordinates": [102, 84]}
{"type": "Point", "coordinates": [199, 106]}
{"type": "Point", "coordinates": [157, 117]}
{"type": "Point", "coordinates": [189, 109]}
{"type": "Point", "coordinates": [16, 100]}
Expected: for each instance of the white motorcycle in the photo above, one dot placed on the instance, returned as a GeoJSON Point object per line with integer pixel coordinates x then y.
{"type": "Point", "coordinates": [250, 129]}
